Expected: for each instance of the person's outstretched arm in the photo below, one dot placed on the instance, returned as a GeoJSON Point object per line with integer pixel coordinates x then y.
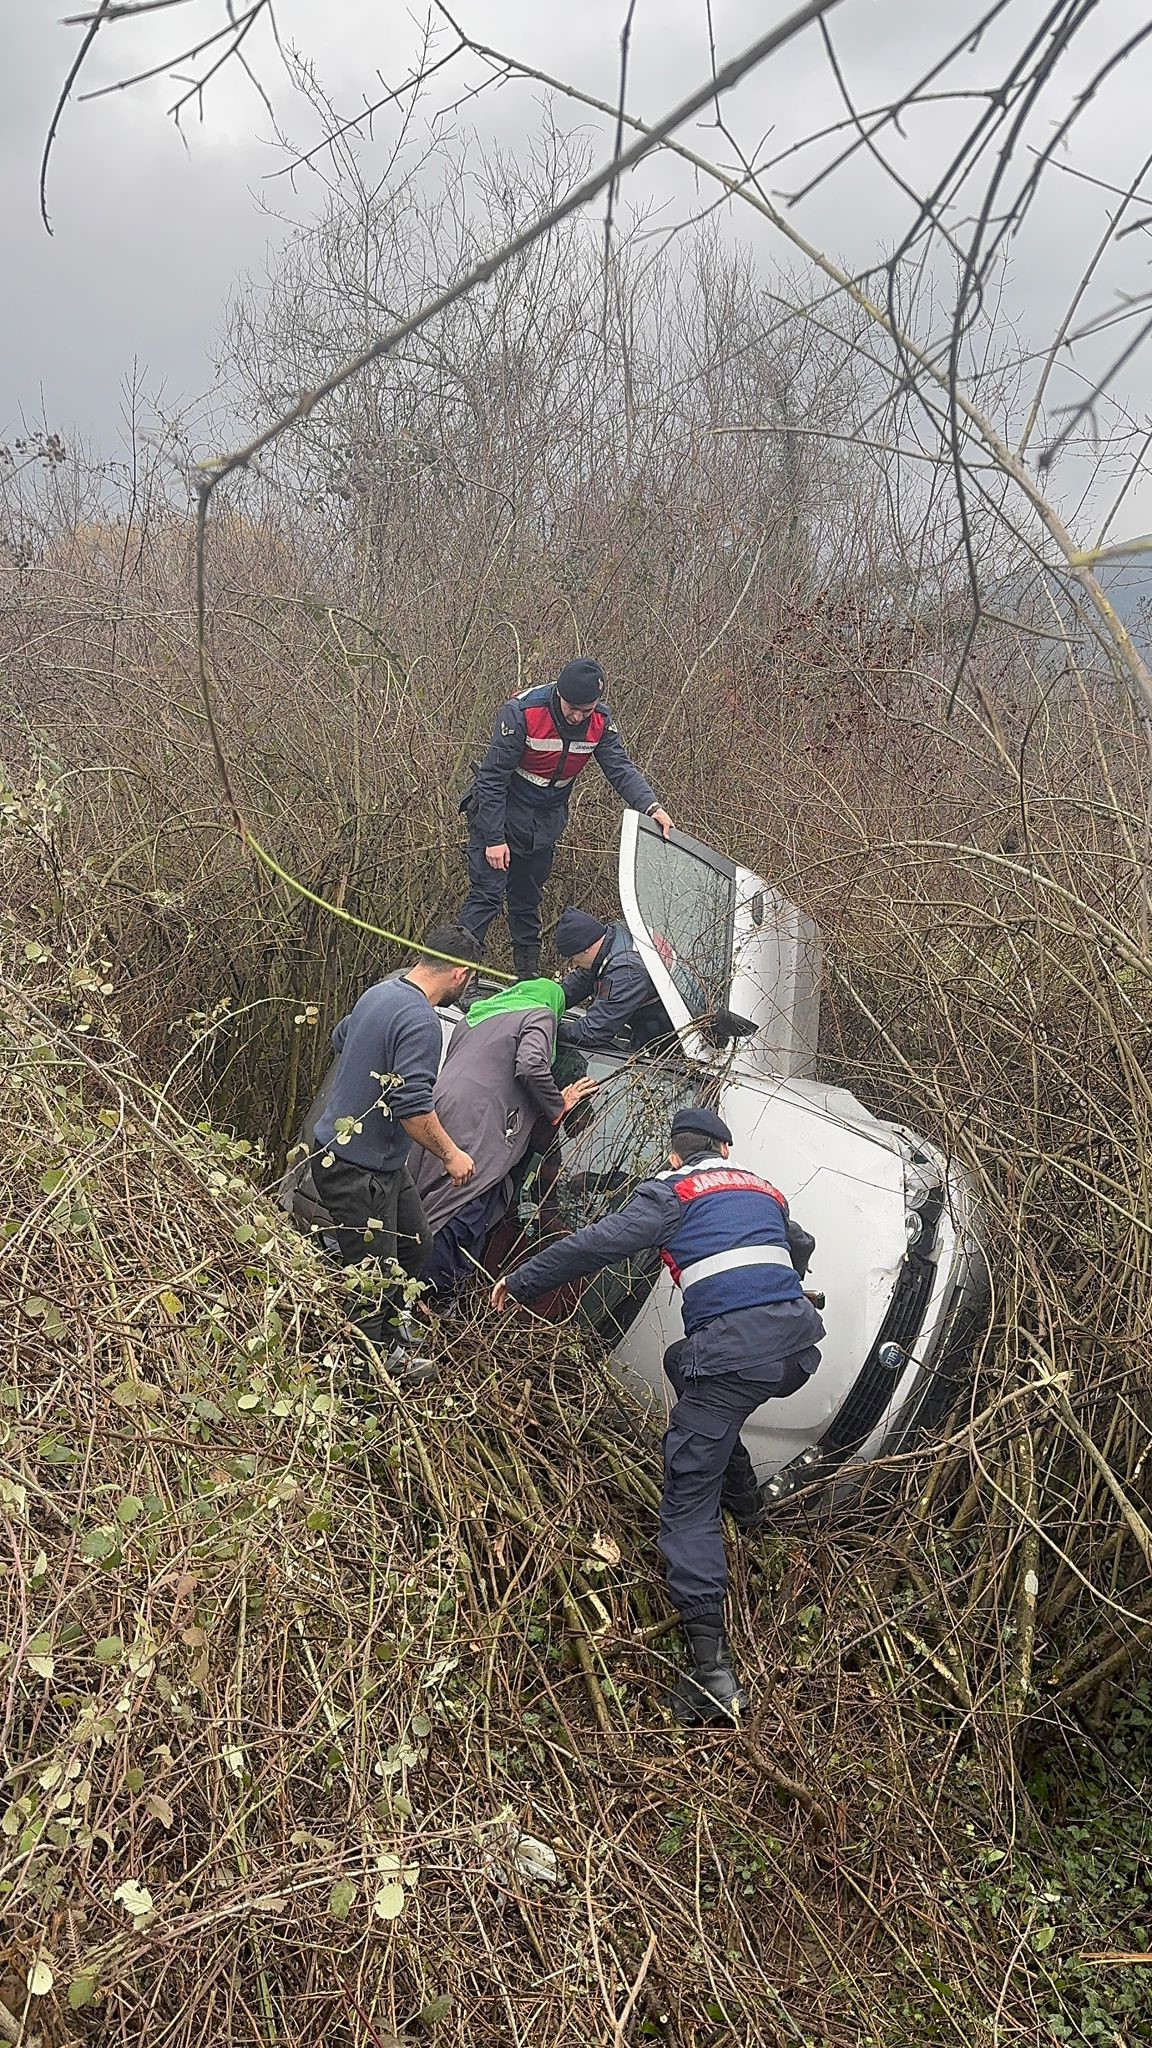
{"type": "Point", "coordinates": [649, 1219]}
{"type": "Point", "coordinates": [626, 779]}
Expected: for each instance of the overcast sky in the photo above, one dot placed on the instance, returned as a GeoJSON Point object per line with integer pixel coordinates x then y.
{"type": "Point", "coordinates": [152, 230]}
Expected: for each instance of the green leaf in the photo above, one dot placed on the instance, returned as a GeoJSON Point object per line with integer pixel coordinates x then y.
{"type": "Point", "coordinates": [109, 1649]}
{"type": "Point", "coordinates": [247, 1402]}
{"type": "Point", "coordinates": [81, 1991]}
{"type": "Point", "coordinates": [129, 1508]}
{"type": "Point", "coordinates": [1043, 1936]}
{"type": "Point", "coordinates": [54, 1453]}
{"type": "Point", "coordinates": [170, 1303]}
{"type": "Point", "coordinates": [135, 1898]}
{"type": "Point", "coordinates": [40, 1978]}
{"type": "Point", "coordinates": [134, 1778]}
{"type": "Point", "coordinates": [341, 1898]}
{"type": "Point", "coordinates": [50, 1181]}
{"type": "Point", "coordinates": [97, 1545]}
{"type": "Point", "coordinates": [132, 1393]}
{"type": "Point", "coordinates": [437, 2009]}
{"type": "Point", "coordinates": [390, 1901]}
{"type": "Point", "coordinates": [40, 1658]}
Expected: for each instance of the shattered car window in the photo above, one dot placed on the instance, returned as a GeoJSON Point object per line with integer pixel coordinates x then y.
{"type": "Point", "coordinates": [622, 1137]}
{"type": "Point", "coordinates": [618, 1142]}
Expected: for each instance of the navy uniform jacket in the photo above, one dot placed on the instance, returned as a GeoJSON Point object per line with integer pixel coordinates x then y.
{"type": "Point", "coordinates": [620, 997]}
{"type": "Point", "coordinates": [501, 805]}
{"type": "Point", "coordinates": [655, 1217]}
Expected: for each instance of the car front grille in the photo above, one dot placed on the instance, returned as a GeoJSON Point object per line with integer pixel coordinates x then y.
{"type": "Point", "coordinates": [872, 1392]}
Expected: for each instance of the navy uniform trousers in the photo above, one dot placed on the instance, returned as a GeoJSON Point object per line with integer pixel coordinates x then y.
{"type": "Point", "coordinates": [721, 1375]}
{"type": "Point", "coordinates": [523, 882]}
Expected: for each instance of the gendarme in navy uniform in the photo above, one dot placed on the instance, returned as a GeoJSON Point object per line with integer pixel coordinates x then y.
{"type": "Point", "coordinates": [517, 807]}
{"type": "Point", "coordinates": [750, 1336]}
{"type": "Point", "coordinates": [608, 975]}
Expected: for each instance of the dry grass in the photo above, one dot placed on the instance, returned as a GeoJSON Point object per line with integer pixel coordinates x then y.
{"type": "Point", "coordinates": [336, 1631]}
{"type": "Point", "coordinates": [316, 1666]}
{"type": "Point", "coordinates": [290, 1655]}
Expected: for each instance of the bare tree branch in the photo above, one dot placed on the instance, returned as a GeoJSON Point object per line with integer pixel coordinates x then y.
{"type": "Point", "coordinates": [94, 27]}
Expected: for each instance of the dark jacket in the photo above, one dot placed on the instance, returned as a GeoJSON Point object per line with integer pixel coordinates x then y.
{"type": "Point", "coordinates": [655, 1217]}
{"type": "Point", "coordinates": [620, 996]}
{"type": "Point", "coordinates": [389, 1047]}
{"type": "Point", "coordinates": [501, 806]}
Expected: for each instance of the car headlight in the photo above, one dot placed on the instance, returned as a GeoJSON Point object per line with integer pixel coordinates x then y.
{"type": "Point", "coordinates": [922, 1180]}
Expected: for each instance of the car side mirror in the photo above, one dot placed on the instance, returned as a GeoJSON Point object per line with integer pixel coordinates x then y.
{"type": "Point", "coordinates": [724, 1026]}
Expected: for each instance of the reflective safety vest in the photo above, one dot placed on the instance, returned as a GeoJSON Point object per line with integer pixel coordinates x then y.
{"type": "Point", "coordinates": [731, 1249]}
{"type": "Point", "coordinates": [553, 758]}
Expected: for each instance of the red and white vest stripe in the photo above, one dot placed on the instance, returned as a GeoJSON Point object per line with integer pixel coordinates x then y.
{"type": "Point", "coordinates": [731, 1250]}
{"type": "Point", "coordinates": [551, 758]}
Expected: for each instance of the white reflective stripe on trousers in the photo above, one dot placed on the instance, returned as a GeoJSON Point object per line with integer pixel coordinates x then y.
{"type": "Point", "coordinates": [730, 1262]}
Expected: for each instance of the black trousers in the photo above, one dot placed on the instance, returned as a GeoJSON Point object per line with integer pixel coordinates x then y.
{"type": "Point", "coordinates": [376, 1216]}
{"type": "Point", "coordinates": [707, 1468]}
{"type": "Point", "coordinates": [522, 883]}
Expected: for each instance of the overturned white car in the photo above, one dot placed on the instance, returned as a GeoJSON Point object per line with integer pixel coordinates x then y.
{"type": "Point", "coordinates": [898, 1255]}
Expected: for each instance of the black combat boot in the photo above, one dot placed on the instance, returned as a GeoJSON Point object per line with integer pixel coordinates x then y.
{"type": "Point", "coordinates": [526, 961]}
{"type": "Point", "coordinates": [711, 1691]}
{"type": "Point", "coordinates": [739, 1493]}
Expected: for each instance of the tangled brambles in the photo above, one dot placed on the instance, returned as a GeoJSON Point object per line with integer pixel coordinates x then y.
{"type": "Point", "coordinates": [333, 1714]}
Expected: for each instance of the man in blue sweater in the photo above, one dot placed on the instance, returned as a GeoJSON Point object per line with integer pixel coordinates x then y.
{"type": "Point", "coordinates": [379, 1103]}
{"type": "Point", "coordinates": [608, 975]}
{"type": "Point", "coordinates": [517, 807]}
{"type": "Point", "coordinates": [750, 1336]}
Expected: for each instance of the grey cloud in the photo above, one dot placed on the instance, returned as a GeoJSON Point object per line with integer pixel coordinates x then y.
{"type": "Point", "coordinates": [150, 237]}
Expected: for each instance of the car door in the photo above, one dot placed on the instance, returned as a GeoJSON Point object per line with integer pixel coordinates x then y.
{"type": "Point", "coordinates": [731, 958]}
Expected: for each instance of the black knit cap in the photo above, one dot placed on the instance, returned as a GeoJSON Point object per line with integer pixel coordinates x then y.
{"type": "Point", "coordinates": [581, 682]}
{"type": "Point", "coordinates": [704, 1123]}
{"type": "Point", "coordinates": [576, 930]}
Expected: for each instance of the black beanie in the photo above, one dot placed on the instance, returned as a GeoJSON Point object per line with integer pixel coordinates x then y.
{"type": "Point", "coordinates": [581, 682]}
{"type": "Point", "coordinates": [576, 930]}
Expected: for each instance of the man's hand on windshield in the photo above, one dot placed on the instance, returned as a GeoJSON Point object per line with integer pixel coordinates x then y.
{"type": "Point", "coordinates": [577, 1092]}
{"type": "Point", "coordinates": [500, 1297]}
{"type": "Point", "coordinates": [497, 857]}
{"type": "Point", "coordinates": [661, 818]}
